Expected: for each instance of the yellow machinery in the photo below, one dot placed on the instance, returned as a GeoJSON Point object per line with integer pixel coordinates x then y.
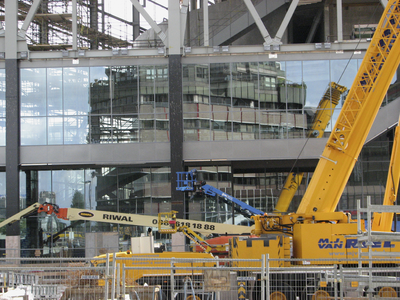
{"type": "Point", "coordinates": [78, 214]}
{"type": "Point", "coordinates": [158, 264]}
{"type": "Point", "coordinates": [322, 117]}
{"type": "Point", "coordinates": [316, 229]}
{"type": "Point", "coordinates": [167, 224]}
{"type": "Point", "coordinates": [384, 221]}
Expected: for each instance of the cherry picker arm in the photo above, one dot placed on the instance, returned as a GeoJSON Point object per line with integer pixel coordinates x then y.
{"type": "Point", "coordinates": [77, 214]}
{"type": "Point", "coordinates": [187, 182]}
{"type": "Point", "coordinates": [168, 224]}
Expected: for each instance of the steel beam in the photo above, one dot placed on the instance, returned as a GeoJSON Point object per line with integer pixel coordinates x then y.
{"type": "Point", "coordinates": [29, 17]}
{"type": "Point", "coordinates": [149, 20]}
{"type": "Point", "coordinates": [339, 17]}
{"type": "Point", "coordinates": [206, 24]}
{"type": "Point", "coordinates": [285, 22]}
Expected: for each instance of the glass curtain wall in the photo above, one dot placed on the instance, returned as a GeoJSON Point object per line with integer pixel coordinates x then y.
{"type": "Point", "coordinates": [119, 189]}
{"type": "Point", "coordinates": [81, 105]}
{"type": "Point", "coordinates": [221, 101]}
{"type": "Point", "coordinates": [258, 100]}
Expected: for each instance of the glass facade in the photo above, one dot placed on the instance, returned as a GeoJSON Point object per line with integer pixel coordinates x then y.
{"type": "Point", "coordinates": [99, 105]}
{"type": "Point", "coordinates": [257, 100]}
{"type": "Point", "coordinates": [129, 104]}
{"type": "Point", "coordinates": [121, 189]}
{"type": "Point", "coordinates": [221, 101]}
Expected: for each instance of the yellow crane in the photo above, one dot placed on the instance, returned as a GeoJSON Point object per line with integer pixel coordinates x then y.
{"type": "Point", "coordinates": [316, 226]}
{"type": "Point", "coordinates": [322, 117]}
{"type": "Point", "coordinates": [384, 221]}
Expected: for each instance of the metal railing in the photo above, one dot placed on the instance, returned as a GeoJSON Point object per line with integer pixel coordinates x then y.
{"type": "Point", "coordinates": [158, 278]}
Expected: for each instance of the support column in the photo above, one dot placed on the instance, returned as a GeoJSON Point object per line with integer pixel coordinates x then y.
{"type": "Point", "coordinates": [175, 102]}
{"type": "Point", "coordinates": [176, 129]}
{"type": "Point", "coordinates": [12, 125]}
{"type": "Point", "coordinates": [339, 20]}
{"type": "Point", "coordinates": [135, 23]}
{"type": "Point", "coordinates": [94, 22]}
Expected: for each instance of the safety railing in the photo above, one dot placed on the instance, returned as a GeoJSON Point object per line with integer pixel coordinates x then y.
{"type": "Point", "coordinates": [156, 278]}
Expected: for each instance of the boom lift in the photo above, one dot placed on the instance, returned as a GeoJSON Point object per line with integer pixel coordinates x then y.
{"type": "Point", "coordinates": [187, 182]}
{"type": "Point", "coordinates": [77, 214]}
{"type": "Point", "coordinates": [167, 224]}
{"type": "Point", "coordinates": [322, 117]}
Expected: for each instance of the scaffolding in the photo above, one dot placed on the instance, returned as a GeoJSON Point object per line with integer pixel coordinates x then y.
{"type": "Point", "coordinates": [51, 28]}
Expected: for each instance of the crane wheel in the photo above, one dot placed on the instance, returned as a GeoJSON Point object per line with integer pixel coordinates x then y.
{"type": "Point", "coordinates": [321, 295]}
{"type": "Point", "coordinates": [191, 297]}
{"type": "Point", "coordinates": [277, 296]}
{"type": "Point", "coordinates": [387, 292]}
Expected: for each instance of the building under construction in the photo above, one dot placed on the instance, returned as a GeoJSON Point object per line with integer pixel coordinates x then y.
{"type": "Point", "coordinates": [100, 112]}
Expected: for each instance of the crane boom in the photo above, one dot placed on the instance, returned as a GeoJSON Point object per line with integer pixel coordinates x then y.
{"type": "Point", "coordinates": [356, 117]}
{"type": "Point", "coordinates": [384, 221]}
{"type": "Point", "coordinates": [323, 115]}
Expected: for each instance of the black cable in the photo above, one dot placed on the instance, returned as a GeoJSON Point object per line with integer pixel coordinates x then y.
{"type": "Point", "coordinates": [348, 62]}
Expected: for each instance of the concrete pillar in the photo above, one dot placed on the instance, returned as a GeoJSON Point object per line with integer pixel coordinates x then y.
{"type": "Point", "coordinates": [176, 129]}
{"type": "Point", "coordinates": [12, 124]}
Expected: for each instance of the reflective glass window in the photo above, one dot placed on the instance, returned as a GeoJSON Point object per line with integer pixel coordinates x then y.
{"type": "Point", "coordinates": [220, 84]}
{"type": "Point", "coordinates": [76, 130]}
{"type": "Point", "coordinates": [33, 92]}
{"type": "Point", "coordinates": [2, 195]}
{"type": "Point", "coordinates": [343, 72]}
{"type": "Point", "coordinates": [125, 128]}
{"type": "Point", "coordinates": [161, 88]}
{"type": "Point", "coordinates": [316, 79]}
{"type": "Point", "coordinates": [33, 131]}
{"type": "Point", "coordinates": [2, 131]}
{"type": "Point", "coordinates": [55, 130]}
{"type": "Point", "coordinates": [195, 86]}
{"type": "Point", "coordinates": [161, 187]}
{"type": "Point", "coordinates": [296, 123]}
{"type": "Point", "coordinates": [271, 80]}
{"type": "Point", "coordinates": [100, 129]}
{"type": "Point", "coordinates": [207, 208]}
{"type": "Point", "coordinates": [162, 127]}
{"type": "Point", "coordinates": [273, 124]}
{"type": "Point", "coordinates": [146, 125]}
{"type": "Point", "coordinates": [146, 88]}
{"type": "Point", "coordinates": [221, 124]}
{"type": "Point", "coordinates": [245, 124]}
{"type": "Point", "coordinates": [100, 102]}
{"type": "Point", "coordinates": [196, 127]}
{"type": "Point", "coordinates": [294, 86]}
{"type": "Point", "coordinates": [245, 84]}
{"type": "Point", "coordinates": [76, 90]}
{"type": "Point", "coordinates": [124, 89]}
{"type": "Point", "coordinates": [54, 92]}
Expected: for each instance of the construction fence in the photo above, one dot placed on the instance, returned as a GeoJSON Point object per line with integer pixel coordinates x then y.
{"type": "Point", "coordinates": [157, 278]}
